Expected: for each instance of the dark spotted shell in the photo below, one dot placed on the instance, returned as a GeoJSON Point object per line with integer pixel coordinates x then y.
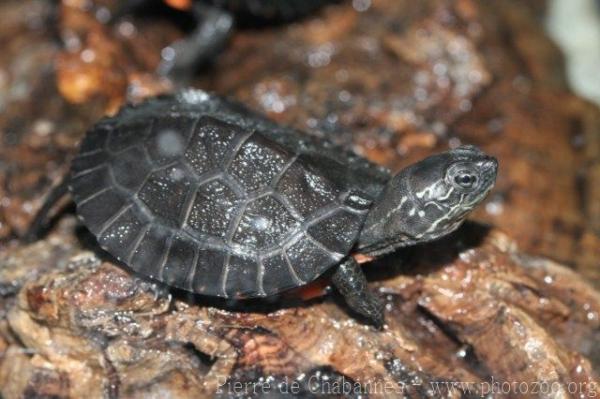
{"type": "Point", "coordinates": [203, 195]}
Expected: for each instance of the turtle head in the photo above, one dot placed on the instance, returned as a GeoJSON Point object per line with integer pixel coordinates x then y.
{"type": "Point", "coordinates": [430, 198]}
{"type": "Point", "coordinates": [444, 188]}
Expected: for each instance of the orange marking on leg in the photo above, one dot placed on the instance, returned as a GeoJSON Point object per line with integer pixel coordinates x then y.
{"type": "Point", "coordinates": [361, 258]}
{"type": "Point", "coordinates": [313, 290]}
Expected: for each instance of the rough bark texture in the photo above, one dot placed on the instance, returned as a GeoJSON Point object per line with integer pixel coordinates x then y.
{"type": "Point", "coordinates": [397, 81]}
{"type": "Point", "coordinates": [468, 309]}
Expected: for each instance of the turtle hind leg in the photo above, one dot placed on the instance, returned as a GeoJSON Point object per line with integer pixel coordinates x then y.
{"type": "Point", "coordinates": [39, 223]}
{"type": "Point", "coordinates": [351, 282]}
{"type": "Point", "coordinates": [212, 31]}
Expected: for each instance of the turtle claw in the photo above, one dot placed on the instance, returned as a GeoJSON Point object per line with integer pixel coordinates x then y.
{"type": "Point", "coordinates": [372, 308]}
{"type": "Point", "coordinates": [379, 324]}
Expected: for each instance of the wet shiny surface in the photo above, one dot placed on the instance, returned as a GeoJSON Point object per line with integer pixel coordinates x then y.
{"type": "Point", "coordinates": [360, 88]}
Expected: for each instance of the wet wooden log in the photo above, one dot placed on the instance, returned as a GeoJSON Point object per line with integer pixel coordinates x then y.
{"type": "Point", "coordinates": [462, 313]}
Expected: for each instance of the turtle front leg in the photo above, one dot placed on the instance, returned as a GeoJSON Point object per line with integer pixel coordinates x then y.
{"type": "Point", "coordinates": [351, 282]}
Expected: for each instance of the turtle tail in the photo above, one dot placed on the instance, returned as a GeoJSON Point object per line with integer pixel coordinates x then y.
{"type": "Point", "coordinates": [39, 223]}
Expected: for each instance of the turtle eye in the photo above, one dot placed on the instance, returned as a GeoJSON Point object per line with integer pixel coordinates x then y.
{"type": "Point", "coordinates": [465, 179]}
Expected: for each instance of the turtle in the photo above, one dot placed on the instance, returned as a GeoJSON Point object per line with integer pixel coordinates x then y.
{"type": "Point", "coordinates": [201, 193]}
{"type": "Point", "coordinates": [214, 23]}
